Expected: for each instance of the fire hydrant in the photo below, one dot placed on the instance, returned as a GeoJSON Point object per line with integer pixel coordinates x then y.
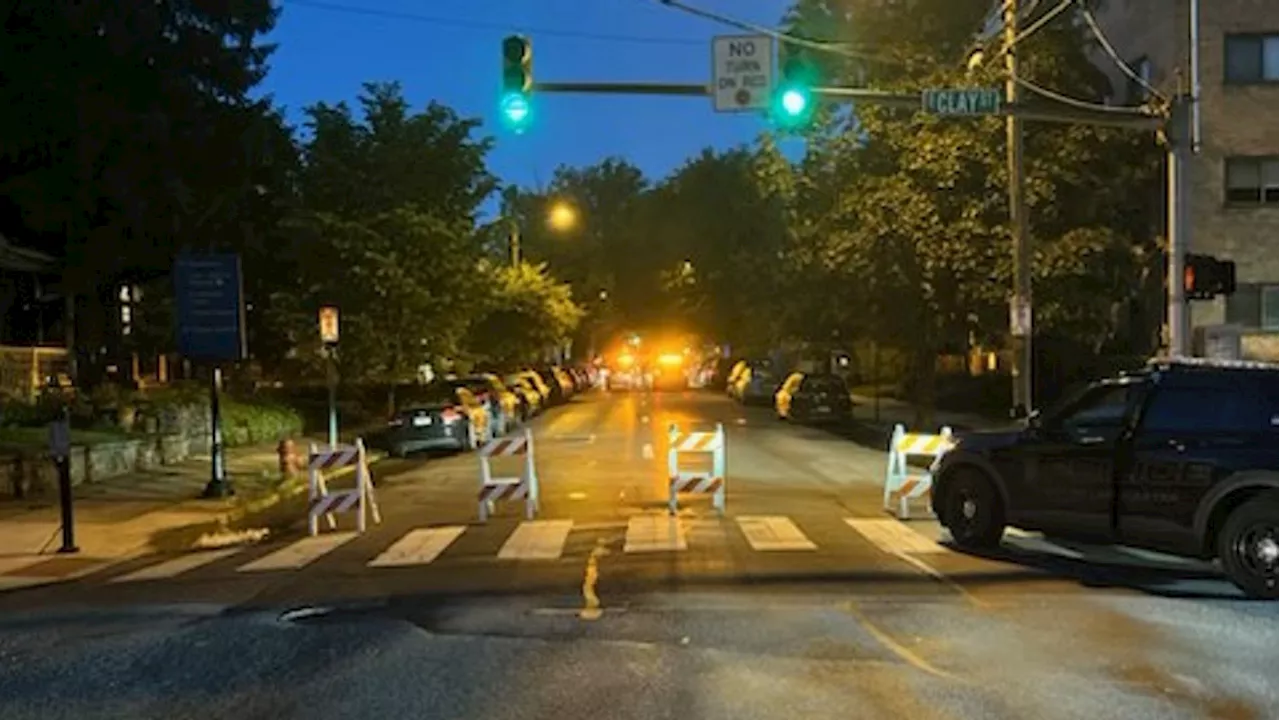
{"type": "Point", "coordinates": [287, 454]}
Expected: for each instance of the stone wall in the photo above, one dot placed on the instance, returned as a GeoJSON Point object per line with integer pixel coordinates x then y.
{"type": "Point", "coordinates": [183, 431]}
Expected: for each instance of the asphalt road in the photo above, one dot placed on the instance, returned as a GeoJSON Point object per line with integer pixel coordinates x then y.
{"type": "Point", "coordinates": [805, 600]}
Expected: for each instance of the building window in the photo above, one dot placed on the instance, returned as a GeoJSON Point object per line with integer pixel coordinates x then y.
{"type": "Point", "coordinates": [1270, 308]}
{"type": "Point", "coordinates": [1252, 59]}
{"type": "Point", "coordinates": [1252, 181]}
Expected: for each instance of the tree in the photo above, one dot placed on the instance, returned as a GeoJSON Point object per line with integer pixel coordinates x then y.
{"type": "Point", "coordinates": [526, 311]}
{"type": "Point", "coordinates": [130, 133]}
{"type": "Point", "coordinates": [384, 228]}
{"type": "Point", "coordinates": [919, 211]}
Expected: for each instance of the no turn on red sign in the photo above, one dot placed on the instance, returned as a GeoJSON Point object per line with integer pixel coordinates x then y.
{"type": "Point", "coordinates": [741, 72]}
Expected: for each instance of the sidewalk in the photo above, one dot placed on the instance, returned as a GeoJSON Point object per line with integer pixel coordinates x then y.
{"type": "Point", "coordinates": [155, 510]}
{"type": "Point", "coordinates": [893, 411]}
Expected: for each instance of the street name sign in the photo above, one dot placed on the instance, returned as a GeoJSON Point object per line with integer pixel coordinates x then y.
{"type": "Point", "coordinates": [741, 72]}
{"type": "Point", "coordinates": [961, 101]}
{"type": "Point", "coordinates": [210, 304]}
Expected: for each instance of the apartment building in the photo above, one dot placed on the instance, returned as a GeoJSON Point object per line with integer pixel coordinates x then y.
{"type": "Point", "coordinates": [1234, 184]}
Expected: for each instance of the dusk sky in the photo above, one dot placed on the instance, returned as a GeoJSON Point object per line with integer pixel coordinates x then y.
{"type": "Point", "coordinates": [449, 50]}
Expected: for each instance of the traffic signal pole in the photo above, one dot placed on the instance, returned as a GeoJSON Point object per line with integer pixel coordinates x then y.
{"type": "Point", "coordinates": [1178, 144]}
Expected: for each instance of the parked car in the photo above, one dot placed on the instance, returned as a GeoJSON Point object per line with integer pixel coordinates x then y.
{"type": "Point", "coordinates": [558, 390]}
{"type": "Point", "coordinates": [437, 416]}
{"type": "Point", "coordinates": [502, 404]}
{"type": "Point", "coordinates": [731, 379]}
{"type": "Point", "coordinates": [757, 383]}
{"type": "Point", "coordinates": [544, 390]}
{"type": "Point", "coordinates": [1178, 458]}
{"type": "Point", "coordinates": [530, 398]}
{"type": "Point", "coordinates": [813, 397]}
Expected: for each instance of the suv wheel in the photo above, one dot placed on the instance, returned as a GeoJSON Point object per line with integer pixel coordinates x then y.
{"type": "Point", "coordinates": [972, 510]}
{"type": "Point", "coordinates": [1248, 549]}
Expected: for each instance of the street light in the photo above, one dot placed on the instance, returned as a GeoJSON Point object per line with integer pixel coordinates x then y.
{"type": "Point", "coordinates": [562, 217]}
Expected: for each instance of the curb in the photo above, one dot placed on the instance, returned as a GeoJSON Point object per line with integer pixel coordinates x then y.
{"type": "Point", "coordinates": [261, 512]}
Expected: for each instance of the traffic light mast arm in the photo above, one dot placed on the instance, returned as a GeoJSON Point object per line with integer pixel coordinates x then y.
{"type": "Point", "coordinates": [861, 95]}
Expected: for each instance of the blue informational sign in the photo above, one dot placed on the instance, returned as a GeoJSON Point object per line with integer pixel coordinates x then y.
{"type": "Point", "coordinates": [210, 303]}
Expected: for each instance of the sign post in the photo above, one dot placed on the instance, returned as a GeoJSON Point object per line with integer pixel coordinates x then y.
{"type": "Point", "coordinates": [329, 338]}
{"type": "Point", "coordinates": [60, 449]}
{"type": "Point", "coordinates": [741, 72]}
{"type": "Point", "coordinates": [210, 304]}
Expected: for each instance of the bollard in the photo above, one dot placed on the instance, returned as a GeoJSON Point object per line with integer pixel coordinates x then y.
{"type": "Point", "coordinates": [60, 449]}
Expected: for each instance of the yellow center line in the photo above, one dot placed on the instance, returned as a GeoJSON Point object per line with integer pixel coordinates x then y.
{"type": "Point", "coordinates": [590, 600]}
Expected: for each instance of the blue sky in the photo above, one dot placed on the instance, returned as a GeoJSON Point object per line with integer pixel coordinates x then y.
{"type": "Point", "coordinates": [449, 50]}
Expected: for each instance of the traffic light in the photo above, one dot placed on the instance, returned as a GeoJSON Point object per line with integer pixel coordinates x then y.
{"type": "Point", "coordinates": [1204, 277]}
{"type": "Point", "coordinates": [793, 98]}
{"type": "Point", "coordinates": [517, 82]}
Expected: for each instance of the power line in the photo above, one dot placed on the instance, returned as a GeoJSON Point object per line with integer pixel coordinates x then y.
{"type": "Point", "coordinates": [485, 25]}
{"type": "Point", "coordinates": [1115, 56]}
{"type": "Point", "coordinates": [781, 37]}
{"type": "Point", "coordinates": [1082, 104]}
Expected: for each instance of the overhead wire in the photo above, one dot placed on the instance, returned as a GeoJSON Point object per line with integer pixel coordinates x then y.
{"type": "Point", "coordinates": [782, 37]}
{"type": "Point", "coordinates": [1133, 110]}
{"type": "Point", "coordinates": [338, 7]}
{"type": "Point", "coordinates": [1110, 50]}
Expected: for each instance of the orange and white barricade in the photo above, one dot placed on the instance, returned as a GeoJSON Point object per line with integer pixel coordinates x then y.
{"type": "Point", "coordinates": [902, 483]}
{"type": "Point", "coordinates": [519, 487]}
{"type": "Point", "coordinates": [703, 482]}
{"type": "Point", "coordinates": [326, 501]}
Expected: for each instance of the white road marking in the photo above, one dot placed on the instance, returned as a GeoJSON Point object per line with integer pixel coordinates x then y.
{"type": "Point", "coordinates": [892, 536]}
{"type": "Point", "coordinates": [299, 554]}
{"type": "Point", "coordinates": [176, 566]}
{"type": "Point", "coordinates": [654, 533]}
{"type": "Point", "coordinates": [418, 547]}
{"type": "Point", "coordinates": [646, 452]}
{"type": "Point", "coordinates": [773, 532]}
{"type": "Point", "coordinates": [536, 540]}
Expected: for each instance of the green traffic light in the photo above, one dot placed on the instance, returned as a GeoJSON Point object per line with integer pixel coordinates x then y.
{"type": "Point", "coordinates": [794, 101]}
{"type": "Point", "coordinates": [515, 108]}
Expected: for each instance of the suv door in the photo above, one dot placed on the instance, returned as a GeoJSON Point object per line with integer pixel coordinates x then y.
{"type": "Point", "coordinates": [1192, 436]}
{"type": "Point", "coordinates": [1069, 470]}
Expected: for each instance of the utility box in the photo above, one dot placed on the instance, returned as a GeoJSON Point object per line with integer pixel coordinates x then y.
{"type": "Point", "coordinates": [1217, 342]}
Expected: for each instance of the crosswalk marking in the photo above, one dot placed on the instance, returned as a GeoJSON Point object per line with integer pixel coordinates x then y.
{"type": "Point", "coordinates": [298, 554]}
{"type": "Point", "coordinates": [176, 566]}
{"type": "Point", "coordinates": [536, 540]}
{"type": "Point", "coordinates": [893, 536]}
{"type": "Point", "coordinates": [654, 533]}
{"type": "Point", "coordinates": [773, 532]}
{"type": "Point", "coordinates": [418, 547]}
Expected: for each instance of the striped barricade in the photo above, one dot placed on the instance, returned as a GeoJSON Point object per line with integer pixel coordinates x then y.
{"type": "Point", "coordinates": [702, 482]}
{"type": "Point", "coordinates": [902, 483]}
{"type": "Point", "coordinates": [519, 487]}
{"type": "Point", "coordinates": [325, 501]}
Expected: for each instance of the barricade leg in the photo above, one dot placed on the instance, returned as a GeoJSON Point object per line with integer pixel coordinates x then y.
{"type": "Point", "coordinates": [313, 528]}
{"type": "Point", "coordinates": [673, 505]}
{"type": "Point", "coordinates": [718, 499]}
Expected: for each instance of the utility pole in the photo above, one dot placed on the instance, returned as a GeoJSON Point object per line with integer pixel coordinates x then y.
{"type": "Point", "coordinates": [514, 242]}
{"type": "Point", "coordinates": [1182, 138]}
{"type": "Point", "coordinates": [1178, 152]}
{"type": "Point", "coordinates": [1020, 305]}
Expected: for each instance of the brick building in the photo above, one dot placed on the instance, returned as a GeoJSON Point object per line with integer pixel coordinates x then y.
{"type": "Point", "coordinates": [1234, 185]}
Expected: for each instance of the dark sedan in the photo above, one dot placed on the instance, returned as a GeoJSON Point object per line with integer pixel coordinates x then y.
{"type": "Point", "coordinates": [437, 417]}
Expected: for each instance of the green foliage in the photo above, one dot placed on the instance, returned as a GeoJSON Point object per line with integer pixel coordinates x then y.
{"type": "Point", "coordinates": [257, 421]}
{"type": "Point", "coordinates": [526, 311]}
{"type": "Point", "coordinates": [384, 229]}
